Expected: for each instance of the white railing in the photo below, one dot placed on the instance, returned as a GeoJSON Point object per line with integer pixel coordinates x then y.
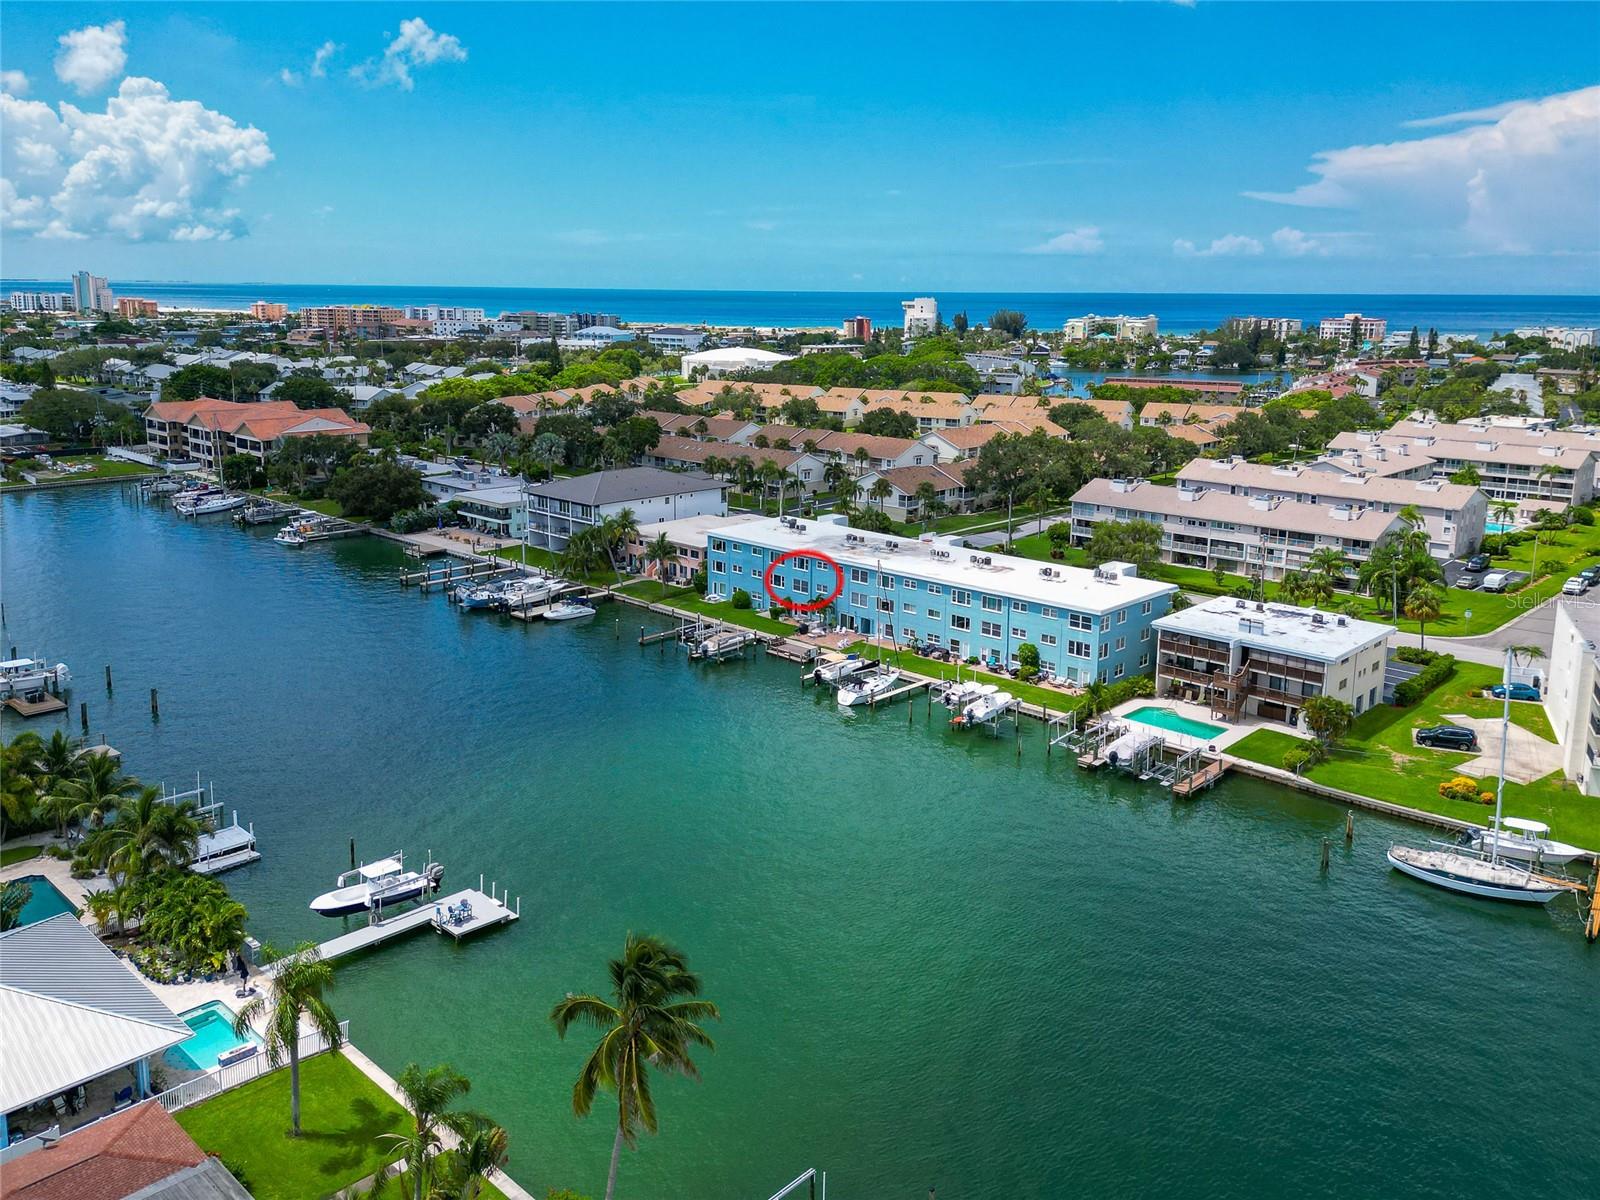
{"type": "Point", "coordinates": [222, 1079]}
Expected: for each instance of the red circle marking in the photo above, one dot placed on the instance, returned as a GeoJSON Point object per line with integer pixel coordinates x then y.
{"type": "Point", "coordinates": [815, 605]}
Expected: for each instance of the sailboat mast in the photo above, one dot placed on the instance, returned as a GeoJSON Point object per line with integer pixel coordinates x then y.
{"type": "Point", "coordinates": [1505, 734]}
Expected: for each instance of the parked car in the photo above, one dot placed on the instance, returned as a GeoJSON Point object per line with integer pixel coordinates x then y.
{"type": "Point", "coordinates": [1496, 581]}
{"type": "Point", "coordinates": [1592, 574]}
{"type": "Point", "coordinates": [1478, 562]}
{"type": "Point", "coordinates": [1519, 691]}
{"type": "Point", "coordinates": [1576, 586]}
{"type": "Point", "coordinates": [1447, 737]}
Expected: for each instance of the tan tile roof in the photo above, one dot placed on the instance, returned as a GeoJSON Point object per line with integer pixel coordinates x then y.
{"type": "Point", "coordinates": [1364, 524]}
{"type": "Point", "coordinates": [946, 477]}
{"type": "Point", "coordinates": [681, 449]}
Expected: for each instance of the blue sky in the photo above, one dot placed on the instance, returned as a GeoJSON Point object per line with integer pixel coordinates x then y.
{"type": "Point", "coordinates": [1213, 147]}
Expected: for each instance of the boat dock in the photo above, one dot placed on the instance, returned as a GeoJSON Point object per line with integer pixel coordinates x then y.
{"type": "Point", "coordinates": [41, 705]}
{"type": "Point", "coordinates": [452, 572]}
{"type": "Point", "coordinates": [905, 689]}
{"type": "Point", "coordinates": [572, 591]}
{"type": "Point", "coordinates": [265, 512]}
{"type": "Point", "coordinates": [487, 909]}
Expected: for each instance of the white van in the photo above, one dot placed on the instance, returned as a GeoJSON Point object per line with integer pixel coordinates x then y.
{"type": "Point", "coordinates": [1494, 581]}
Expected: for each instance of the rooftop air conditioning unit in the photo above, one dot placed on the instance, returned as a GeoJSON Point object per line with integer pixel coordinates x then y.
{"type": "Point", "coordinates": [988, 560]}
{"type": "Point", "coordinates": [972, 558]}
{"type": "Point", "coordinates": [800, 527]}
{"type": "Point", "coordinates": [1044, 572]}
{"type": "Point", "coordinates": [1342, 622]}
{"type": "Point", "coordinates": [1238, 603]}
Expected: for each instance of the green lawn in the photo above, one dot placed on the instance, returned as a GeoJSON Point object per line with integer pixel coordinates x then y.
{"type": "Point", "coordinates": [104, 468]}
{"type": "Point", "coordinates": [328, 508]}
{"type": "Point", "coordinates": [1379, 759]}
{"type": "Point", "coordinates": [1026, 692]}
{"type": "Point", "coordinates": [533, 556]}
{"type": "Point", "coordinates": [19, 854]}
{"type": "Point", "coordinates": [690, 601]}
{"type": "Point", "coordinates": [342, 1115]}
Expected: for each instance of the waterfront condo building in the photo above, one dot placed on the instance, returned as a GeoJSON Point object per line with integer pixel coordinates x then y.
{"type": "Point", "coordinates": [1572, 694]}
{"type": "Point", "coordinates": [674, 339]}
{"type": "Point", "coordinates": [41, 302]}
{"type": "Point", "coordinates": [856, 329]}
{"type": "Point", "coordinates": [351, 320]}
{"type": "Point", "coordinates": [1087, 624]}
{"type": "Point", "coordinates": [1209, 529]}
{"type": "Point", "coordinates": [90, 293]}
{"type": "Point", "coordinates": [561, 507]}
{"type": "Point", "coordinates": [207, 430]}
{"type": "Point", "coordinates": [1281, 328]}
{"type": "Point", "coordinates": [1251, 660]}
{"type": "Point", "coordinates": [269, 310]}
{"type": "Point", "coordinates": [447, 320]}
{"type": "Point", "coordinates": [132, 306]}
{"type": "Point", "coordinates": [1117, 329]}
{"type": "Point", "coordinates": [921, 316]}
{"type": "Point", "coordinates": [1337, 329]}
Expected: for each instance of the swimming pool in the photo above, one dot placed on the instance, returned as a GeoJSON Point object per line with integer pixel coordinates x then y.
{"type": "Point", "coordinates": [1495, 527]}
{"type": "Point", "coordinates": [45, 901]}
{"type": "Point", "coordinates": [213, 1037]}
{"type": "Point", "coordinates": [1168, 719]}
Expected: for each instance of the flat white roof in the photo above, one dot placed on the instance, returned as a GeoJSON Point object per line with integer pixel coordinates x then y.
{"type": "Point", "coordinates": [694, 529]}
{"type": "Point", "coordinates": [1308, 632]}
{"type": "Point", "coordinates": [944, 560]}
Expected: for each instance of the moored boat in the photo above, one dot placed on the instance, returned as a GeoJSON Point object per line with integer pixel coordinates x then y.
{"type": "Point", "coordinates": [984, 707]}
{"type": "Point", "coordinates": [865, 688]}
{"type": "Point", "coordinates": [1472, 875]}
{"type": "Point", "coordinates": [841, 669]}
{"type": "Point", "coordinates": [568, 610]}
{"type": "Point", "coordinates": [377, 885]}
{"type": "Point", "coordinates": [1525, 841]}
{"type": "Point", "coordinates": [25, 676]}
{"type": "Point", "coordinates": [290, 535]}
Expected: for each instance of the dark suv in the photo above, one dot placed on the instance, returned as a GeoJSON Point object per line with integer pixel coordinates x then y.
{"type": "Point", "coordinates": [1447, 737]}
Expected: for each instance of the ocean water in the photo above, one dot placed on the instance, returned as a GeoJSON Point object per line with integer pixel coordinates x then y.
{"type": "Point", "coordinates": [943, 959]}
{"type": "Point", "coordinates": [1179, 312]}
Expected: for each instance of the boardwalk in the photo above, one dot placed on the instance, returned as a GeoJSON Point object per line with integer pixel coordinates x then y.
{"type": "Point", "coordinates": [486, 911]}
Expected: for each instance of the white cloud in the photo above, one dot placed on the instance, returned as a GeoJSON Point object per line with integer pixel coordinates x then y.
{"type": "Point", "coordinates": [13, 83]}
{"type": "Point", "coordinates": [289, 78]}
{"type": "Point", "coordinates": [1521, 178]}
{"type": "Point", "coordinates": [1230, 245]}
{"type": "Point", "coordinates": [1085, 239]}
{"type": "Point", "coordinates": [92, 57]}
{"type": "Point", "coordinates": [1296, 243]}
{"type": "Point", "coordinates": [148, 168]}
{"type": "Point", "coordinates": [1471, 116]}
{"type": "Point", "coordinates": [417, 46]}
{"type": "Point", "coordinates": [319, 60]}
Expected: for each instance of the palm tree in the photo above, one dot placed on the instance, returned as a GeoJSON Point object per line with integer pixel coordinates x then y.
{"type": "Point", "coordinates": [662, 552]}
{"type": "Point", "coordinates": [880, 491]}
{"type": "Point", "coordinates": [585, 553]}
{"type": "Point", "coordinates": [848, 489]}
{"type": "Point", "coordinates": [1547, 474]}
{"type": "Point", "coordinates": [144, 835]}
{"type": "Point", "coordinates": [20, 772]}
{"type": "Point", "coordinates": [500, 445]}
{"type": "Point", "coordinates": [616, 531]}
{"type": "Point", "coordinates": [429, 1096]}
{"type": "Point", "coordinates": [482, 1151]}
{"type": "Point", "coordinates": [294, 992]}
{"type": "Point", "coordinates": [1330, 563]}
{"type": "Point", "coordinates": [101, 906]}
{"type": "Point", "coordinates": [652, 1020]}
{"type": "Point", "coordinates": [1424, 603]}
{"type": "Point", "coordinates": [89, 796]}
{"type": "Point", "coordinates": [769, 473]}
{"type": "Point", "coordinates": [927, 498]}
{"type": "Point", "coordinates": [1504, 510]}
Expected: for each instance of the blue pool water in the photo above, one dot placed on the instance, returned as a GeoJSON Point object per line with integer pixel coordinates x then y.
{"type": "Point", "coordinates": [45, 902]}
{"type": "Point", "coordinates": [1174, 722]}
{"type": "Point", "coordinates": [213, 1037]}
{"type": "Point", "coordinates": [1495, 527]}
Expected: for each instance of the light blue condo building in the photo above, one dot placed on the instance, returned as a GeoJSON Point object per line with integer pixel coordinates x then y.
{"type": "Point", "coordinates": [1087, 624]}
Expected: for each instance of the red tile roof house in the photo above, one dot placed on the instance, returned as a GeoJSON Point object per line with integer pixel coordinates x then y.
{"type": "Point", "coordinates": [208, 430]}
{"type": "Point", "coordinates": [903, 503]}
{"type": "Point", "coordinates": [141, 1151]}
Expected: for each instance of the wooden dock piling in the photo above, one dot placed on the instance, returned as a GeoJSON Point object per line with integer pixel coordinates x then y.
{"type": "Point", "coordinates": [1327, 843]}
{"type": "Point", "coordinates": [83, 716]}
{"type": "Point", "coordinates": [1349, 826]}
{"type": "Point", "coordinates": [108, 679]}
{"type": "Point", "coordinates": [155, 705]}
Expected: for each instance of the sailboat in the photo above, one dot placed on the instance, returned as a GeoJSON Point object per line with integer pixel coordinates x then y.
{"type": "Point", "coordinates": [1469, 872]}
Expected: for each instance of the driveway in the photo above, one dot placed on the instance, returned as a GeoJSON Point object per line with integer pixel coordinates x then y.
{"type": "Point", "coordinates": [1528, 756]}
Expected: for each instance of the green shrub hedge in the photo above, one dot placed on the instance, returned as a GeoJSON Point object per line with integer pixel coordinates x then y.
{"type": "Point", "coordinates": [1418, 686]}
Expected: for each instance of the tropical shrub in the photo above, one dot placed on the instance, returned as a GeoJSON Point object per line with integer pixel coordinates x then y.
{"type": "Point", "coordinates": [187, 921]}
{"type": "Point", "coordinates": [1301, 757]}
{"type": "Point", "coordinates": [740, 598]}
{"type": "Point", "coordinates": [1460, 788]}
{"type": "Point", "coordinates": [1415, 654]}
{"type": "Point", "coordinates": [415, 520]}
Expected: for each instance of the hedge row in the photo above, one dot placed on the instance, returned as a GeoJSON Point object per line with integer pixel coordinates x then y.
{"type": "Point", "coordinates": [1419, 685]}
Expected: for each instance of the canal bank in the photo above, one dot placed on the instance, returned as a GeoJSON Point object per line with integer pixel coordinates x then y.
{"type": "Point", "coordinates": [882, 909]}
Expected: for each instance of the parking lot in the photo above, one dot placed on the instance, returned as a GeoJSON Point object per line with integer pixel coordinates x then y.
{"type": "Point", "coordinates": [1456, 575]}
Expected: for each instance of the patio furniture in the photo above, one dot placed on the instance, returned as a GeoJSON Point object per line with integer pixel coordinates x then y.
{"type": "Point", "coordinates": [123, 1099]}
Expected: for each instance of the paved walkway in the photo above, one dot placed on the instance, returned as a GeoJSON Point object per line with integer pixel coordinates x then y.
{"type": "Point", "coordinates": [1528, 756]}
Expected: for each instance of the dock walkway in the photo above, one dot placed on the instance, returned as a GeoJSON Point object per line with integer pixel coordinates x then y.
{"type": "Point", "coordinates": [487, 911]}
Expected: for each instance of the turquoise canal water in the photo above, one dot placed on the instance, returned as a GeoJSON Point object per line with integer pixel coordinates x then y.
{"type": "Point", "coordinates": [939, 963]}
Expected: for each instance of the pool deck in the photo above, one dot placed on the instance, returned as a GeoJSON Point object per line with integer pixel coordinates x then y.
{"type": "Point", "coordinates": [1194, 712]}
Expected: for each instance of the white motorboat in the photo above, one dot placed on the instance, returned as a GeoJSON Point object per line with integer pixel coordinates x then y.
{"type": "Point", "coordinates": [958, 695]}
{"type": "Point", "coordinates": [377, 885]}
{"type": "Point", "coordinates": [568, 610]}
{"type": "Point", "coordinates": [25, 676]}
{"type": "Point", "coordinates": [290, 535]}
{"type": "Point", "coordinates": [486, 595]}
{"type": "Point", "coordinates": [217, 502]}
{"type": "Point", "coordinates": [1475, 876]}
{"type": "Point", "coordinates": [528, 592]}
{"type": "Point", "coordinates": [1524, 841]}
{"type": "Point", "coordinates": [867, 687]}
{"type": "Point", "coordinates": [841, 669]}
{"type": "Point", "coordinates": [985, 707]}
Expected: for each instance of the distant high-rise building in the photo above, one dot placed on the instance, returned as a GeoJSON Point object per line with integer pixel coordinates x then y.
{"type": "Point", "coordinates": [1120, 328]}
{"type": "Point", "coordinates": [921, 315]}
{"type": "Point", "coordinates": [133, 306]}
{"type": "Point", "coordinates": [337, 320]}
{"type": "Point", "coordinates": [269, 310]}
{"type": "Point", "coordinates": [90, 293]}
{"type": "Point", "coordinates": [1337, 329]}
{"type": "Point", "coordinates": [41, 302]}
{"type": "Point", "coordinates": [1277, 327]}
{"type": "Point", "coordinates": [857, 329]}
{"type": "Point", "coordinates": [447, 320]}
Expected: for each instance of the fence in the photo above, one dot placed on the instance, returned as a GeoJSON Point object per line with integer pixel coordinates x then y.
{"type": "Point", "coordinates": [222, 1079]}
